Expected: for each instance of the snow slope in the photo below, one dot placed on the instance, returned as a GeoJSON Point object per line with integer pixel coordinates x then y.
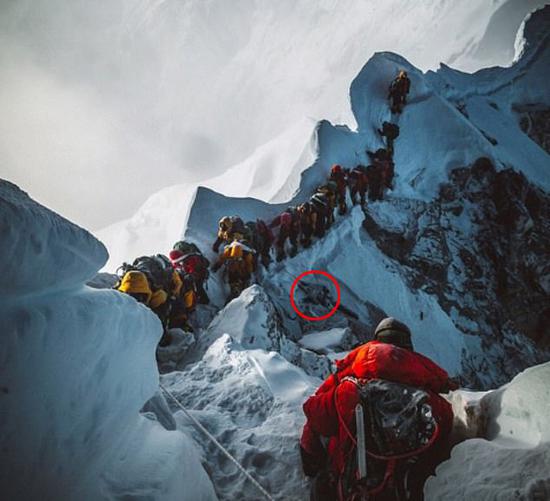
{"type": "Point", "coordinates": [272, 173]}
{"type": "Point", "coordinates": [76, 367]}
{"type": "Point", "coordinates": [514, 461]}
{"type": "Point", "coordinates": [251, 400]}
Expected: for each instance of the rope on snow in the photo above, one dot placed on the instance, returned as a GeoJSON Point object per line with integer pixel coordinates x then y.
{"type": "Point", "coordinates": [217, 444]}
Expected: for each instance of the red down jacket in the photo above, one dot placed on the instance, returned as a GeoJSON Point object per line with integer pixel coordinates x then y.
{"type": "Point", "coordinates": [373, 360]}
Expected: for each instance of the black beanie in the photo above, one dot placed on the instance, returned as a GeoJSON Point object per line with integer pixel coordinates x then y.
{"type": "Point", "coordinates": [392, 331]}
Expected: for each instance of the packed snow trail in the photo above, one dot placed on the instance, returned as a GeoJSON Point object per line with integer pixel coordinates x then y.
{"type": "Point", "coordinates": [217, 444]}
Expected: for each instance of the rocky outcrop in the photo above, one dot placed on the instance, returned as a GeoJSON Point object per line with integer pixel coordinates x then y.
{"type": "Point", "coordinates": [536, 124]}
{"type": "Point", "coordinates": [482, 247]}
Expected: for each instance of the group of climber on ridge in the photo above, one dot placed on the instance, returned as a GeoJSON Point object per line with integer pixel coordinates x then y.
{"type": "Point", "coordinates": [349, 444]}
{"type": "Point", "coordinates": [248, 243]}
{"type": "Point", "coordinates": [172, 286]}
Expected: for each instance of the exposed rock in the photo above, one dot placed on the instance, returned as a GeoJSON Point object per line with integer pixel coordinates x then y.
{"type": "Point", "coordinates": [483, 247]}
{"type": "Point", "coordinates": [536, 124]}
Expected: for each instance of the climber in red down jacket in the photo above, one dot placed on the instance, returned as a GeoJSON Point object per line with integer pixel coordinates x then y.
{"type": "Point", "coordinates": [327, 443]}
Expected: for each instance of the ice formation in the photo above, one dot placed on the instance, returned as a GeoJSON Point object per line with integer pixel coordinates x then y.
{"type": "Point", "coordinates": [77, 365]}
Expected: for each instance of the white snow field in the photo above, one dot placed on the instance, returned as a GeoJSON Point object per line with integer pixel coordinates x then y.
{"type": "Point", "coordinates": [76, 367]}
{"type": "Point", "coordinates": [514, 461]}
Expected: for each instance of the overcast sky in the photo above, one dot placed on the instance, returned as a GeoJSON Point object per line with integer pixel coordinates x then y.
{"type": "Point", "coordinates": [103, 103]}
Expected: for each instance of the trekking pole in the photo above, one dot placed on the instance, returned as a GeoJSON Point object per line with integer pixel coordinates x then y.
{"type": "Point", "coordinates": [217, 444]}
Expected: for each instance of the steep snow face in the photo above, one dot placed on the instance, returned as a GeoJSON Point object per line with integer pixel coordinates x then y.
{"type": "Point", "coordinates": [76, 367]}
{"type": "Point", "coordinates": [372, 286]}
{"type": "Point", "coordinates": [32, 235]}
{"type": "Point", "coordinates": [514, 461]}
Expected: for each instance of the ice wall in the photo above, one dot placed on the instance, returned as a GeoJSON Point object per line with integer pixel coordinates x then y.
{"type": "Point", "coordinates": [76, 366]}
{"type": "Point", "coordinates": [514, 463]}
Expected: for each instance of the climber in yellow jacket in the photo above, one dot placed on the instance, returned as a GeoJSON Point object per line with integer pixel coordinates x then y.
{"type": "Point", "coordinates": [239, 261]}
{"type": "Point", "coordinates": [173, 306]}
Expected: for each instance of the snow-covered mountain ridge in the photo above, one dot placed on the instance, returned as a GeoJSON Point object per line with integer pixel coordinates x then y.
{"type": "Point", "coordinates": [465, 233]}
{"type": "Point", "coordinates": [459, 251]}
{"type": "Point", "coordinates": [176, 91]}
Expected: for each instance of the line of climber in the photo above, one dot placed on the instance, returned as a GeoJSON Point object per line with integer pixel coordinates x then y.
{"type": "Point", "coordinates": [173, 285]}
{"type": "Point", "coordinates": [246, 244]}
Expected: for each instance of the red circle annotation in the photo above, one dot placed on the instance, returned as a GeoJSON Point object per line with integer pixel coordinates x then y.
{"type": "Point", "coordinates": [322, 317]}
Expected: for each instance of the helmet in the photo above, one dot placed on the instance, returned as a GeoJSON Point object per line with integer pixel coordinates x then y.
{"type": "Point", "coordinates": [393, 331]}
{"type": "Point", "coordinates": [176, 256]}
{"type": "Point", "coordinates": [336, 169]}
{"type": "Point", "coordinates": [185, 247]}
{"type": "Point", "coordinates": [225, 223]}
{"type": "Point", "coordinates": [402, 74]}
{"type": "Point", "coordinates": [135, 282]}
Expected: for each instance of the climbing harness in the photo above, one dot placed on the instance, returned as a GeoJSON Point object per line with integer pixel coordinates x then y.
{"type": "Point", "coordinates": [217, 444]}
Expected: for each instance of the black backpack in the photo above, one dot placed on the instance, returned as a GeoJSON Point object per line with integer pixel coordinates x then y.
{"type": "Point", "coordinates": [186, 247]}
{"type": "Point", "coordinates": [391, 130]}
{"type": "Point", "coordinates": [158, 269]}
{"type": "Point", "coordinates": [320, 201]}
{"type": "Point", "coordinates": [251, 234]}
{"type": "Point", "coordinates": [355, 175]}
{"type": "Point", "coordinates": [237, 225]}
{"type": "Point", "coordinates": [398, 425]}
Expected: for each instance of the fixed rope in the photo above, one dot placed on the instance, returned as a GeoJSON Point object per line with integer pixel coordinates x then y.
{"type": "Point", "coordinates": [217, 444]}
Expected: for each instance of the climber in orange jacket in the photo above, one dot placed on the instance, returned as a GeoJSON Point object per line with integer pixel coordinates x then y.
{"type": "Point", "coordinates": [330, 411]}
